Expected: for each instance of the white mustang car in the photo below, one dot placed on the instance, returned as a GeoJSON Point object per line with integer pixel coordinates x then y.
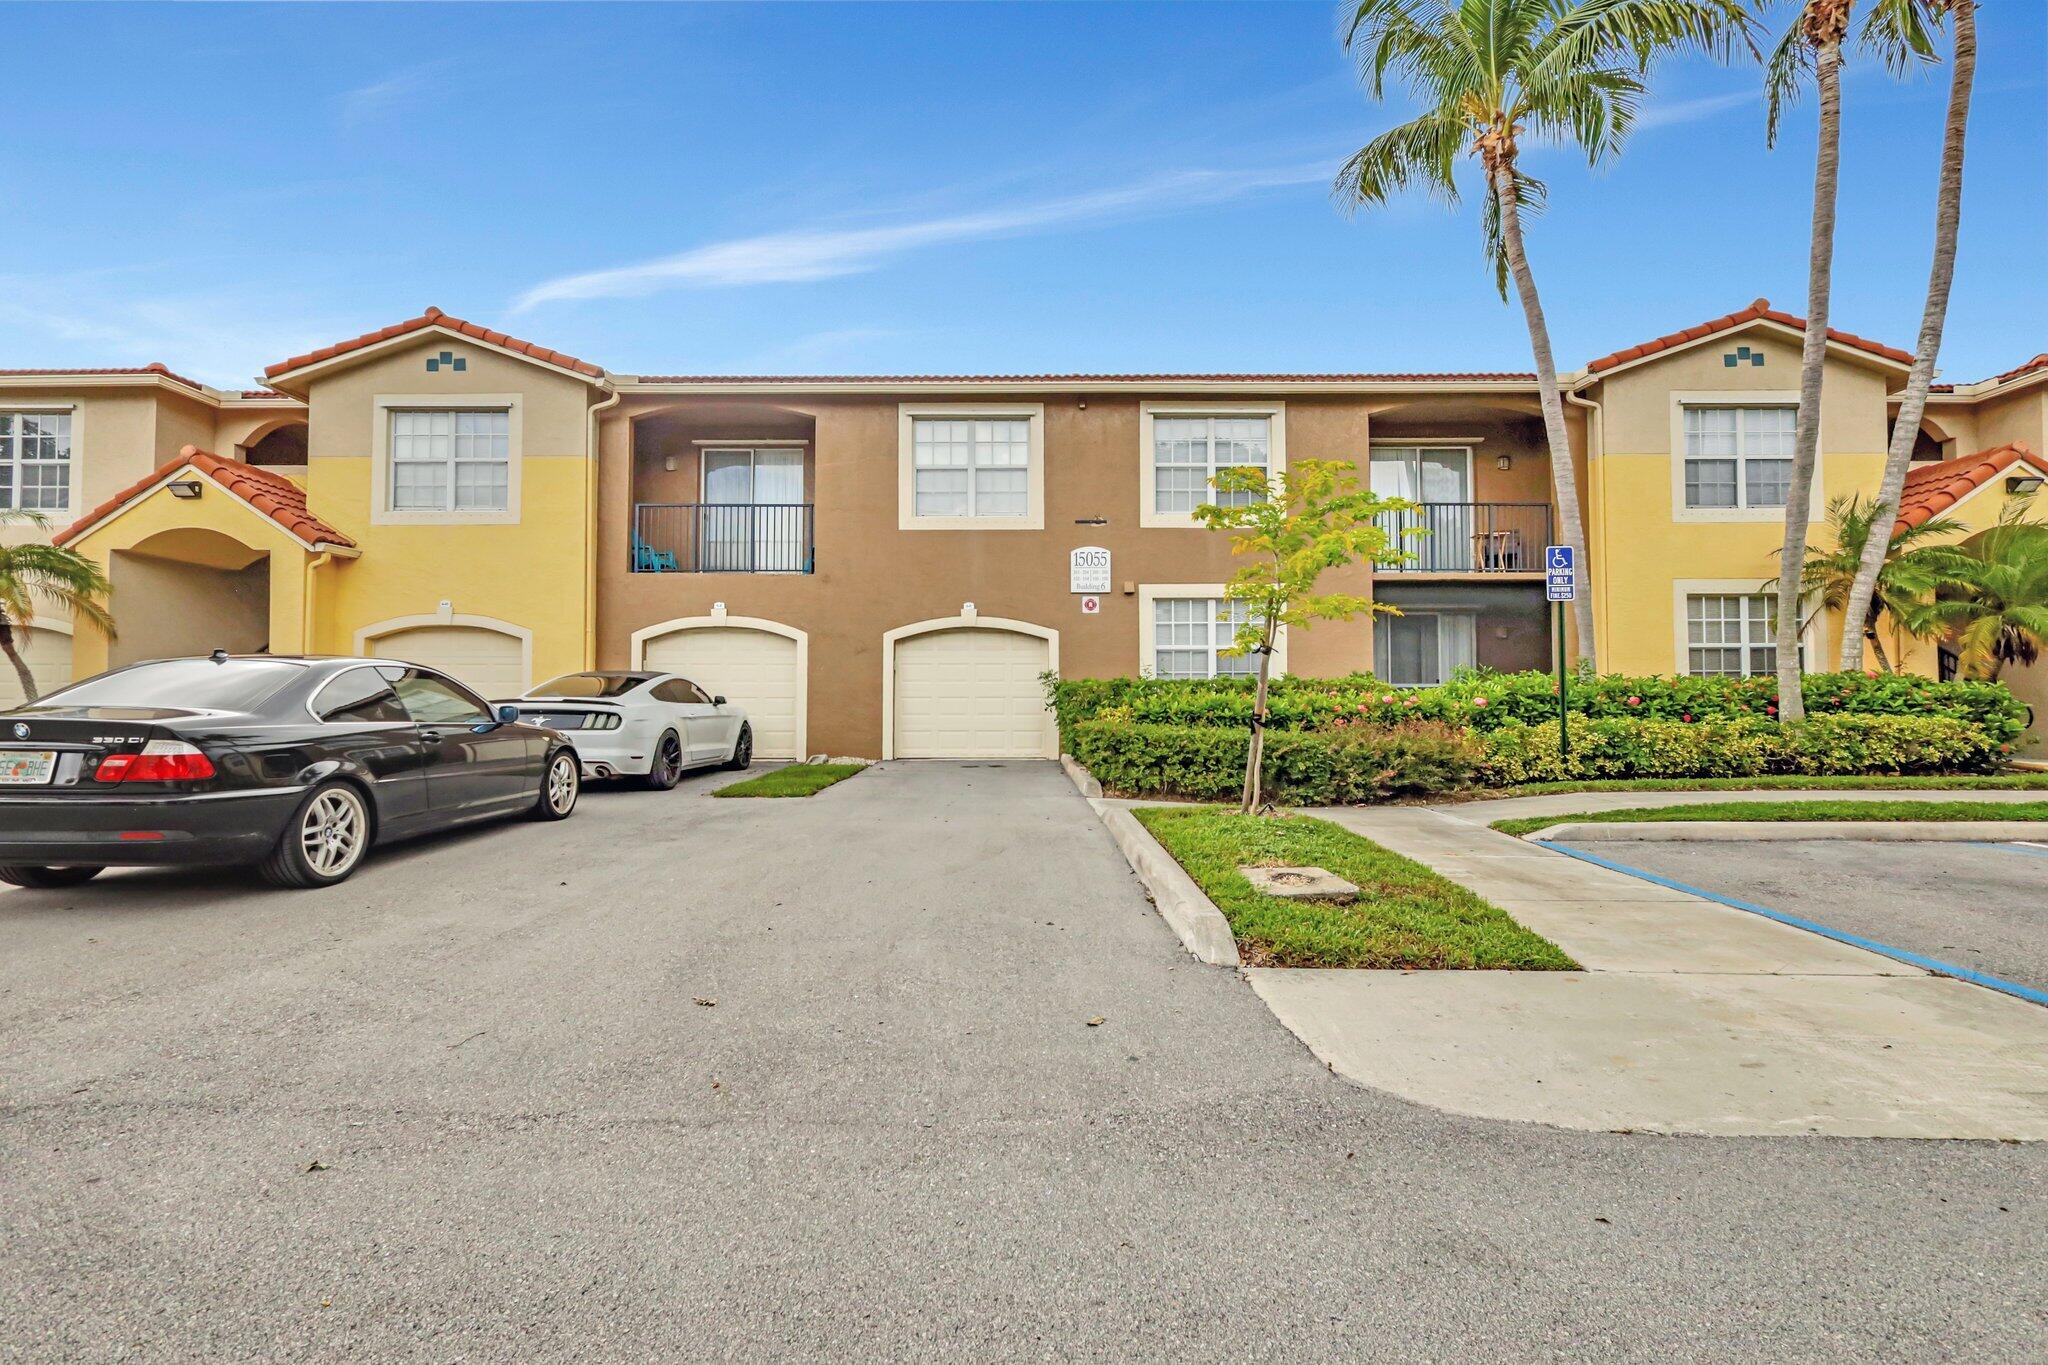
{"type": "Point", "coordinates": [653, 726]}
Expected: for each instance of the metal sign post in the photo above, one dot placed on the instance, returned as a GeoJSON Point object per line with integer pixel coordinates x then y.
{"type": "Point", "coordinates": [1561, 585]}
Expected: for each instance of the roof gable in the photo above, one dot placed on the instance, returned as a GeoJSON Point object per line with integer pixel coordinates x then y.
{"type": "Point", "coordinates": [1937, 488]}
{"type": "Point", "coordinates": [273, 495]}
{"type": "Point", "coordinates": [1758, 312]}
{"type": "Point", "coordinates": [433, 320]}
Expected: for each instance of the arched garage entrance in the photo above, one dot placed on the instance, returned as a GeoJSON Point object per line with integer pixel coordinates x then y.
{"type": "Point", "coordinates": [968, 686]}
{"type": "Point", "coordinates": [46, 648]}
{"type": "Point", "coordinates": [759, 665]}
{"type": "Point", "coordinates": [492, 658]}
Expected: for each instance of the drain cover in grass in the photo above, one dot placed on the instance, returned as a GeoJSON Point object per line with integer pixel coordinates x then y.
{"type": "Point", "coordinates": [1300, 883]}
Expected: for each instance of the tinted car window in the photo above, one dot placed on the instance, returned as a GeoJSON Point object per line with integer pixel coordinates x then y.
{"type": "Point", "coordinates": [433, 700]}
{"type": "Point", "coordinates": [676, 690]}
{"type": "Point", "coordinates": [184, 684]}
{"type": "Point", "coordinates": [590, 685]}
{"type": "Point", "coordinates": [361, 695]}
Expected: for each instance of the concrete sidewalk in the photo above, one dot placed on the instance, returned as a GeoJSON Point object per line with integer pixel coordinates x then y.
{"type": "Point", "coordinates": [1690, 1016]}
{"type": "Point", "coordinates": [1578, 803]}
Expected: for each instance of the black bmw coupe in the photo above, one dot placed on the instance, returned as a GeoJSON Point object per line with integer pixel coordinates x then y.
{"type": "Point", "coordinates": [293, 765]}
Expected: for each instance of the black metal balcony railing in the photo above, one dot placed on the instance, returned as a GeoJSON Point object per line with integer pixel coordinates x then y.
{"type": "Point", "coordinates": [705, 537]}
{"type": "Point", "coordinates": [1471, 537]}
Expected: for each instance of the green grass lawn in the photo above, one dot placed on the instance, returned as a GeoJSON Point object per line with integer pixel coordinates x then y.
{"type": "Point", "coordinates": [2011, 781]}
{"type": "Point", "coordinates": [798, 779]}
{"type": "Point", "coordinates": [1793, 810]}
{"type": "Point", "coordinates": [1405, 915]}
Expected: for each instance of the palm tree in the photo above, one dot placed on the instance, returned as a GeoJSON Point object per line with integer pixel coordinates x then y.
{"type": "Point", "coordinates": [55, 576]}
{"type": "Point", "coordinates": [1899, 30]}
{"type": "Point", "coordinates": [1813, 43]}
{"type": "Point", "coordinates": [1994, 606]}
{"type": "Point", "coordinates": [1490, 73]}
{"type": "Point", "coordinates": [1911, 570]}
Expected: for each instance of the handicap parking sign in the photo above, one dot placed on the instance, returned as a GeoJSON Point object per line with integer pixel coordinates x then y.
{"type": "Point", "coordinates": [1560, 573]}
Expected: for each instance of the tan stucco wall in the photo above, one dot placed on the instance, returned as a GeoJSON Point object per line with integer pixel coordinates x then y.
{"type": "Point", "coordinates": [166, 608]}
{"type": "Point", "coordinates": [2006, 418]}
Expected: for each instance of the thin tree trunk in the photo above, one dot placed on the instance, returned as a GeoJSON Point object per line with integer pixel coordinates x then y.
{"type": "Point", "coordinates": [1564, 479]}
{"type": "Point", "coordinates": [1812, 360]}
{"type": "Point", "coordinates": [7, 647]}
{"type": "Point", "coordinates": [1255, 760]}
{"type": "Point", "coordinates": [1948, 212]}
{"type": "Point", "coordinates": [1884, 663]}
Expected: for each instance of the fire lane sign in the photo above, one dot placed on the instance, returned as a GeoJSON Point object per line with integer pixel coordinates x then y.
{"type": "Point", "coordinates": [1560, 573]}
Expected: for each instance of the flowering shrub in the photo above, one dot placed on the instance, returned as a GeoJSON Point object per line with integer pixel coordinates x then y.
{"type": "Point", "coordinates": [1347, 765]}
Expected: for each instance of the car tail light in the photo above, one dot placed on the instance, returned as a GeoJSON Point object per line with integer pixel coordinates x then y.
{"type": "Point", "coordinates": [161, 760]}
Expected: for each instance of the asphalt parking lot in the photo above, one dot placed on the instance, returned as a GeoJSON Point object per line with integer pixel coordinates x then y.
{"type": "Point", "coordinates": [908, 1069]}
{"type": "Point", "coordinates": [1980, 906]}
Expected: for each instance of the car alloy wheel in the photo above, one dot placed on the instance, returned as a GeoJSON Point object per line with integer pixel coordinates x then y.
{"type": "Point", "coordinates": [331, 832]}
{"type": "Point", "coordinates": [669, 760]}
{"type": "Point", "coordinates": [561, 784]}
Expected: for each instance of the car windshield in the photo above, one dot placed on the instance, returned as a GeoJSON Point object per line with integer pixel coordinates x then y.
{"type": "Point", "coordinates": [591, 685]}
{"type": "Point", "coordinates": [181, 684]}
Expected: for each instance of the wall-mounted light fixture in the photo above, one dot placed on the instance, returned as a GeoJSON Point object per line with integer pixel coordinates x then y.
{"type": "Point", "coordinates": [185, 488]}
{"type": "Point", "coordinates": [2024, 484]}
{"type": "Point", "coordinates": [1091, 521]}
{"type": "Point", "coordinates": [1504, 462]}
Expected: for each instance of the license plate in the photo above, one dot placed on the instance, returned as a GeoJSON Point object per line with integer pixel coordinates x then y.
{"type": "Point", "coordinates": [26, 768]}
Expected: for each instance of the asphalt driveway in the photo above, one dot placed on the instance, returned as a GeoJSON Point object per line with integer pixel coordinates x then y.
{"type": "Point", "coordinates": [469, 1105]}
{"type": "Point", "coordinates": [1980, 906]}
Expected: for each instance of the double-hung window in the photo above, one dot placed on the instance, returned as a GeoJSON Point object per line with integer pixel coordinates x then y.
{"type": "Point", "coordinates": [35, 461]}
{"type": "Point", "coordinates": [971, 466]}
{"type": "Point", "coordinates": [1190, 633]}
{"type": "Point", "coordinates": [450, 459]}
{"type": "Point", "coordinates": [1731, 635]}
{"type": "Point", "coordinates": [1738, 457]}
{"type": "Point", "coordinates": [1423, 648]}
{"type": "Point", "coordinates": [1187, 452]}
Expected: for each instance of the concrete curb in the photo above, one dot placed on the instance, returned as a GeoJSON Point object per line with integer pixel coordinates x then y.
{"type": "Point", "coordinates": [1083, 780]}
{"type": "Point", "coordinates": [1781, 831]}
{"type": "Point", "coordinates": [1203, 930]}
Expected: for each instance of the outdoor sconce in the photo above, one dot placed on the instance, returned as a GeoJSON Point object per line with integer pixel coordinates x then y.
{"type": "Point", "coordinates": [189, 489]}
{"type": "Point", "coordinates": [1504, 462]}
{"type": "Point", "coordinates": [2024, 484]}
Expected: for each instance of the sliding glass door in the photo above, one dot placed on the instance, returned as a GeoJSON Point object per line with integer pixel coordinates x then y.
{"type": "Point", "coordinates": [1440, 479]}
{"type": "Point", "coordinates": [752, 517]}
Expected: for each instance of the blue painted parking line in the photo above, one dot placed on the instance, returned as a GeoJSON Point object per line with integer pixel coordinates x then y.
{"type": "Point", "coordinates": [1931, 964]}
{"type": "Point", "coordinates": [2038, 850]}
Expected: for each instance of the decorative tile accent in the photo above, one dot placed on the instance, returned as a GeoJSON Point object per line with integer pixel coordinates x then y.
{"type": "Point", "coordinates": [1741, 353]}
{"type": "Point", "coordinates": [449, 359]}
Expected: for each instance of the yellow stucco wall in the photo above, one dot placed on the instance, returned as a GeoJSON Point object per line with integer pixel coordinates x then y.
{"type": "Point", "coordinates": [1646, 544]}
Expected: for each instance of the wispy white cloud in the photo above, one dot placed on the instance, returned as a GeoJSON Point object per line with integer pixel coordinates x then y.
{"type": "Point", "coordinates": [218, 338]}
{"type": "Point", "coordinates": [826, 253]}
{"type": "Point", "coordinates": [367, 102]}
{"type": "Point", "coordinates": [1692, 111]}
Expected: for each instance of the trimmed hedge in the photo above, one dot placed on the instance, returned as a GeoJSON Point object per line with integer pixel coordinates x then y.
{"type": "Point", "coordinates": [1364, 763]}
{"type": "Point", "coordinates": [1348, 766]}
{"type": "Point", "coordinates": [1489, 701]}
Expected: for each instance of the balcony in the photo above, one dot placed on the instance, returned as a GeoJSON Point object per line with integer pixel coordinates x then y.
{"type": "Point", "coordinates": [707, 537]}
{"type": "Point", "coordinates": [1471, 537]}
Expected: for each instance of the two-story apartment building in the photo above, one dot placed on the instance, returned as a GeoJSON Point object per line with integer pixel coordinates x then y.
{"type": "Point", "coordinates": [880, 565]}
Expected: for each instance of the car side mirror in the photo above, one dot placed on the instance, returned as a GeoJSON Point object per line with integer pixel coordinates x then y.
{"type": "Point", "coordinates": [507, 714]}
{"type": "Point", "coordinates": [718, 701]}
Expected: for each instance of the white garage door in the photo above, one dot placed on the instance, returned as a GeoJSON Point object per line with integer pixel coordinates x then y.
{"type": "Point", "coordinates": [48, 656]}
{"type": "Point", "coordinates": [972, 694]}
{"type": "Point", "coordinates": [487, 662]}
{"type": "Point", "coordinates": [753, 669]}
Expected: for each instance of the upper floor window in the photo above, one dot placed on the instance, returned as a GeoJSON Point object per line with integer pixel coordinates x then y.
{"type": "Point", "coordinates": [35, 461]}
{"type": "Point", "coordinates": [1187, 452]}
{"type": "Point", "coordinates": [1738, 457]}
{"type": "Point", "coordinates": [972, 467]}
{"type": "Point", "coordinates": [450, 459]}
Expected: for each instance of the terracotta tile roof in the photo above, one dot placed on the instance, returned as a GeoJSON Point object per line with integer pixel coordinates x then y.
{"type": "Point", "coordinates": [799, 379]}
{"type": "Point", "coordinates": [434, 317]}
{"type": "Point", "coordinates": [1934, 488]}
{"type": "Point", "coordinates": [155, 368]}
{"type": "Point", "coordinates": [1759, 311]}
{"type": "Point", "coordinates": [2039, 362]}
{"type": "Point", "coordinates": [268, 393]}
{"type": "Point", "coordinates": [277, 497]}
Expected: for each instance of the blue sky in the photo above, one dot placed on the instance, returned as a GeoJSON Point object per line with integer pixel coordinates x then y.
{"type": "Point", "coordinates": [835, 188]}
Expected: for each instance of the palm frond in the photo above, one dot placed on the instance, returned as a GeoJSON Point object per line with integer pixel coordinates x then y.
{"type": "Point", "coordinates": [1422, 152]}
{"type": "Point", "coordinates": [1785, 75]}
{"type": "Point", "coordinates": [1901, 33]}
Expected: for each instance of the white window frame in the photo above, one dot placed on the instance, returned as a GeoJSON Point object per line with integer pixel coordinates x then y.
{"type": "Point", "coordinates": [382, 513]}
{"type": "Point", "coordinates": [907, 415]}
{"type": "Point", "coordinates": [1149, 514]}
{"type": "Point", "coordinates": [1149, 597]}
{"type": "Point", "coordinates": [1686, 588]}
{"type": "Point", "coordinates": [1444, 665]}
{"type": "Point", "coordinates": [63, 408]}
{"type": "Point", "coordinates": [1745, 398]}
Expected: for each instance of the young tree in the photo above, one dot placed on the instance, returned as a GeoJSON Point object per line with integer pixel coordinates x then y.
{"type": "Point", "coordinates": [1296, 526]}
{"type": "Point", "coordinates": [1813, 44]}
{"type": "Point", "coordinates": [1490, 73]}
{"type": "Point", "coordinates": [1912, 568]}
{"type": "Point", "coordinates": [1900, 31]}
{"type": "Point", "coordinates": [1994, 604]}
{"type": "Point", "coordinates": [50, 574]}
